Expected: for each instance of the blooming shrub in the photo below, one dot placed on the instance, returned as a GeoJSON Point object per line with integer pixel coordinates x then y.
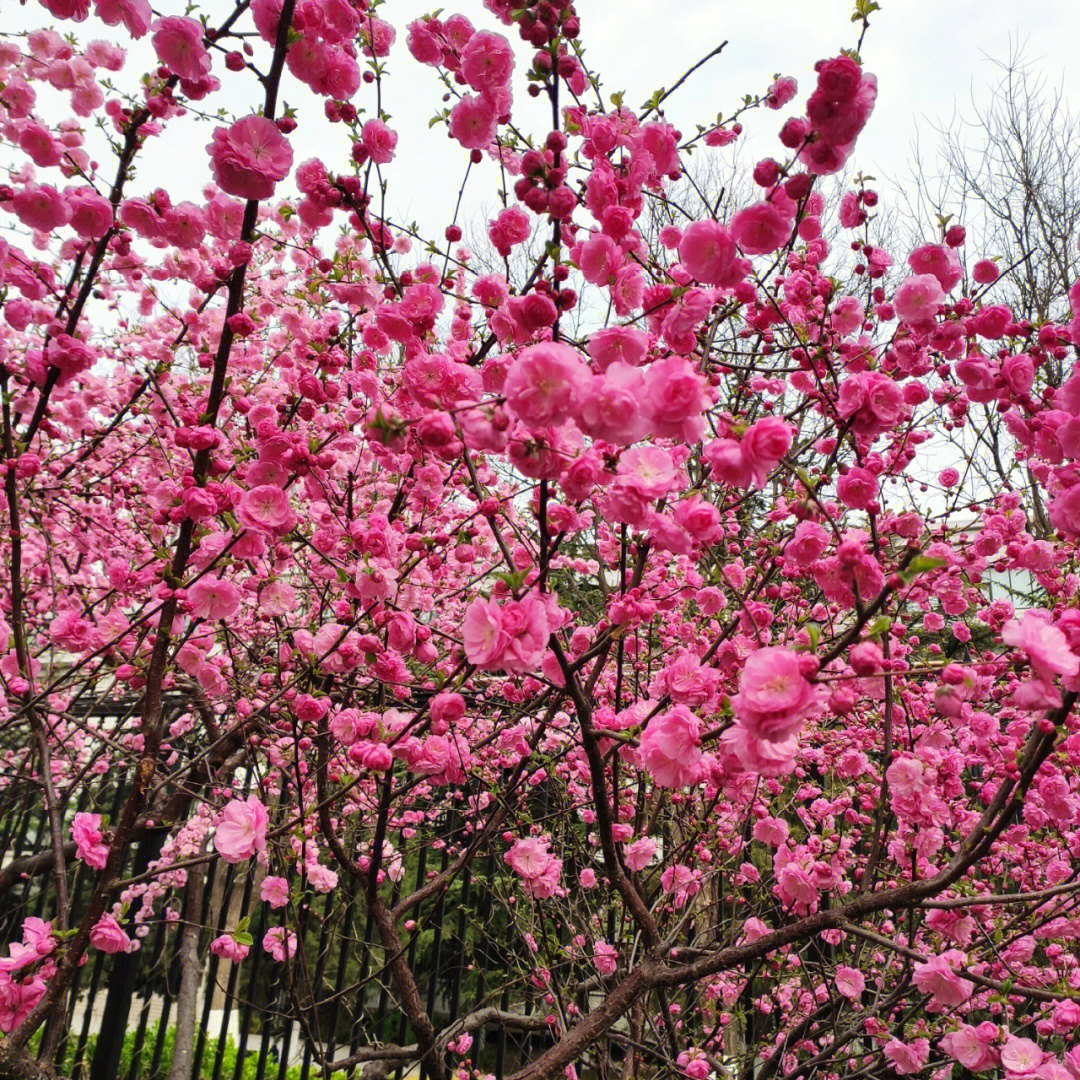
{"type": "Point", "coordinates": [619, 574]}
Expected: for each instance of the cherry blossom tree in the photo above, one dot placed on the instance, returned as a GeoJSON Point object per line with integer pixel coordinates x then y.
{"type": "Point", "coordinates": [610, 567]}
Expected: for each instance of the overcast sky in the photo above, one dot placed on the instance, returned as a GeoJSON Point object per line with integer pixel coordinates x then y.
{"type": "Point", "coordinates": [930, 56]}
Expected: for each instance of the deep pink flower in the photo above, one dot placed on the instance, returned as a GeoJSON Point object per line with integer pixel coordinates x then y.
{"type": "Point", "coordinates": [178, 42]}
{"type": "Point", "coordinates": [545, 384]}
{"type": "Point", "coordinates": [707, 251]}
{"type": "Point", "coordinates": [249, 157]}
{"type": "Point", "coordinates": [761, 228]}
{"type": "Point", "coordinates": [670, 748]}
{"type": "Point", "coordinates": [472, 122]}
{"type": "Point", "coordinates": [89, 840]}
{"type": "Point", "coordinates": [109, 936]}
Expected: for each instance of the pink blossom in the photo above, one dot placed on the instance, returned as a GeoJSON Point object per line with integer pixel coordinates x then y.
{"type": "Point", "coordinates": [241, 829]}
{"type": "Point", "coordinates": [134, 14]}
{"type": "Point", "coordinates": [545, 384]}
{"type": "Point", "coordinates": [265, 507]}
{"type": "Point", "coordinates": [1046, 646]}
{"type": "Point", "coordinates": [850, 982]}
{"type": "Point", "coordinates": [89, 840]}
{"type": "Point", "coordinates": [213, 598]}
{"type": "Point", "coordinates": [670, 748]}
{"type": "Point", "coordinates": [612, 405]}
{"type": "Point", "coordinates": [761, 228]}
{"type": "Point", "coordinates": [108, 936]}
{"type": "Point", "coordinates": [638, 854]}
{"type": "Point", "coordinates": [614, 344]}
{"type": "Point", "coordinates": [274, 891]}
{"type": "Point", "coordinates": [472, 122]}
{"type": "Point", "coordinates": [766, 757]}
{"type": "Point", "coordinates": [762, 447]}
{"type": "Point", "coordinates": [674, 399]}
{"type": "Point", "coordinates": [512, 637]}
{"type": "Point", "coordinates": [707, 251]}
{"type": "Point", "coordinates": [533, 862]}
{"type": "Point", "coordinates": [178, 42]}
{"type": "Point", "coordinates": [40, 207]}
{"type": "Point", "coordinates": [249, 157]}
{"type": "Point", "coordinates": [938, 978]}
{"type": "Point", "coordinates": [774, 697]}
{"type": "Point", "coordinates": [967, 1046]}
{"type": "Point", "coordinates": [1020, 1057]}
{"type": "Point", "coordinates": [605, 957]}
{"type": "Point", "coordinates": [916, 299]}
{"type": "Point", "coordinates": [487, 61]}
{"type": "Point", "coordinates": [907, 1057]}
{"type": "Point", "coordinates": [228, 948]}
{"type": "Point", "coordinates": [379, 141]}
{"type": "Point", "coordinates": [279, 943]}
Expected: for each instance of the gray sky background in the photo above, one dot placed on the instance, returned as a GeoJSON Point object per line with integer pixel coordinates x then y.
{"type": "Point", "coordinates": [930, 56]}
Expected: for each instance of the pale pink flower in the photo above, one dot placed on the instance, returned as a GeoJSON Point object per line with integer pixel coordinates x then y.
{"type": "Point", "coordinates": [762, 756]}
{"type": "Point", "coordinates": [539, 869]}
{"type": "Point", "coordinates": [647, 471]}
{"type": "Point", "coordinates": [907, 1058]}
{"type": "Point", "coordinates": [1046, 646]}
{"type": "Point", "coordinates": [241, 829]}
{"type": "Point", "coordinates": [916, 299]}
{"type": "Point", "coordinates": [482, 634]}
{"type": "Point", "coordinates": [134, 14]}
{"type": "Point", "coordinates": [967, 1046]}
{"type": "Point", "coordinates": [213, 598]}
{"type": "Point", "coordinates": [849, 982]}
{"type": "Point", "coordinates": [1020, 1057]}
{"type": "Point", "coordinates": [512, 637]}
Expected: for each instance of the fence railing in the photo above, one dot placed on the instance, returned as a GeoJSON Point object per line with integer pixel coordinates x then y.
{"type": "Point", "coordinates": [121, 1015]}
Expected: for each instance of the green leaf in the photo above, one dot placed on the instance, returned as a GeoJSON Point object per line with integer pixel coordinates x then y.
{"type": "Point", "coordinates": [920, 565]}
{"type": "Point", "coordinates": [879, 626]}
{"type": "Point", "coordinates": [242, 937]}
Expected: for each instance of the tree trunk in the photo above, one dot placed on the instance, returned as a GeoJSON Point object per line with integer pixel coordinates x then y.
{"type": "Point", "coordinates": [190, 976]}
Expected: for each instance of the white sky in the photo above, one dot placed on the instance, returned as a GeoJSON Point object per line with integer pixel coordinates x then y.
{"type": "Point", "coordinates": [930, 57]}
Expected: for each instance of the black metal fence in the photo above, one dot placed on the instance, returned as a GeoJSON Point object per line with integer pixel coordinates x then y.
{"type": "Point", "coordinates": [122, 1010]}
